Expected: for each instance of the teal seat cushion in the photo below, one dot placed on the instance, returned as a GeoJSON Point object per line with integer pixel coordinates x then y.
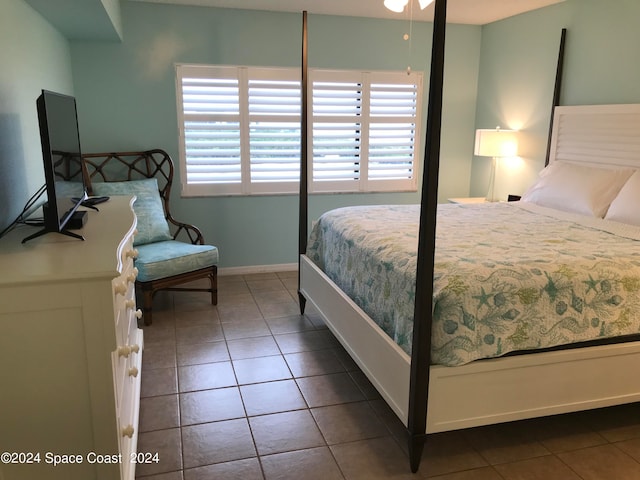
{"type": "Point", "coordinates": [152, 224]}
{"type": "Point", "coordinates": [168, 258]}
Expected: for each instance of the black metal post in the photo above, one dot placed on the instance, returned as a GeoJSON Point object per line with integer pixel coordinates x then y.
{"type": "Point", "coordinates": [556, 91]}
{"type": "Point", "coordinates": [304, 194]}
{"type": "Point", "coordinates": [422, 320]}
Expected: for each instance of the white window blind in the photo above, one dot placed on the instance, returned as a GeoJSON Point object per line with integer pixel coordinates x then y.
{"type": "Point", "coordinates": [274, 129]}
{"type": "Point", "coordinates": [240, 130]}
{"type": "Point", "coordinates": [365, 130]}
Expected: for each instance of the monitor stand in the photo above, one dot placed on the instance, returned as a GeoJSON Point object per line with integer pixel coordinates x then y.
{"type": "Point", "coordinates": [51, 225]}
{"type": "Point", "coordinates": [45, 231]}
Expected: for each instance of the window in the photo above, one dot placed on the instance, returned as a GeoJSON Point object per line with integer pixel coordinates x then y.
{"type": "Point", "coordinates": [240, 130]}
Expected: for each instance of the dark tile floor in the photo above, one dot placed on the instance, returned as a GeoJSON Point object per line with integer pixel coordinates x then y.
{"type": "Point", "coordinates": [251, 390]}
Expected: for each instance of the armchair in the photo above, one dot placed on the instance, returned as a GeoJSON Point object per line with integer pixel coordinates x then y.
{"type": "Point", "coordinates": [164, 261]}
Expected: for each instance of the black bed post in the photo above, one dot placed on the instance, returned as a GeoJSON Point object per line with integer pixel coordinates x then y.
{"type": "Point", "coordinates": [556, 91]}
{"type": "Point", "coordinates": [421, 349]}
{"type": "Point", "coordinates": [304, 200]}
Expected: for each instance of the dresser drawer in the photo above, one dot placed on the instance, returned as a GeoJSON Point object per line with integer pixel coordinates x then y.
{"type": "Point", "coordinates": [124, 306]}
{"type": "Point", "coordinates": [129, 403]}
{"type": "Point", "coordinates": [67, 308]}
{"type": "Point", "coordinates": [127, 359]}
{"type": "Point", "coordinates": [125, 311]}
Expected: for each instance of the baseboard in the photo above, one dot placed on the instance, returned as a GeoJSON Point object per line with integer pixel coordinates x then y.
{"type": "Point", "coordinates": [249, 270]}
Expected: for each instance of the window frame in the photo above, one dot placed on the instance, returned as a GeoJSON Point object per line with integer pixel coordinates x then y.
{"type": "Point", "coordinates": [363, 184]}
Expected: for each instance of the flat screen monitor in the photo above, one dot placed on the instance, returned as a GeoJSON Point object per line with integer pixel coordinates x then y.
{"type": "Point", "coordinates": [61, 153]}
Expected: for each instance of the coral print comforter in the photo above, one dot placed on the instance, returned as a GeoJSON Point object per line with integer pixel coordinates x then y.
{"type": "Point", "coordinates": [508, 276]}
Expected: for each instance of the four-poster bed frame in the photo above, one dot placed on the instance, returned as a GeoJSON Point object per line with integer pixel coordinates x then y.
{"type": "Point", "coordinates": [433, 398]}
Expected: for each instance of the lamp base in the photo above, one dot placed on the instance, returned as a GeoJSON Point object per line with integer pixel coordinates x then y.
{"type": "Point", "coordinates": [492, 180]}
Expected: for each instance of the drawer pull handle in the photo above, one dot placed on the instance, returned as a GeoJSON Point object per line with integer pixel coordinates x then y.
{"type": "Point", "coordinates": [128, 431]}
{"type": "Point", "coordinates": [130, 304]}
{"type": "Point", "coordinates": [133, 253]}
{"type": "Point", "coordinates": [124, 351]}
{"type": "Point", "coordinates": [120, 288]}
{"type": "Point", "coordinates": [135, 348]}
{"type": "Point", "coordinates": [138, 314]}
{"type": "Point", "coordinates": [133, 372]}
{"type": "Point", "coordinates": [133, 275]}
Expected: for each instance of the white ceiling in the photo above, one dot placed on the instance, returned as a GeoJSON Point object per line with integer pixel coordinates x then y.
{"type": "Point", "coordinates": [475, 12]}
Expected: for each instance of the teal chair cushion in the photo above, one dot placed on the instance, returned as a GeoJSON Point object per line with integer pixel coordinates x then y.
{"type": "Point", "coordinates": [168, 258]}
{"type": "Point", "coordinates": [152, 225]}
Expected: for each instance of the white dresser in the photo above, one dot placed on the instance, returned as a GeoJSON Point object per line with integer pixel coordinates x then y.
{"type": "Point", "coordinates": [70, 351]}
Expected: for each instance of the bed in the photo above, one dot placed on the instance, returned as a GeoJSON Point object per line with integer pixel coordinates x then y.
{"type": "Point", "coordinates": [498, 287]}
{"type": "Point", "coordinates": [568, 338]}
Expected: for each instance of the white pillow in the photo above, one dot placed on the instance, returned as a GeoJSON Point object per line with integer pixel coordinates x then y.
{"type": "Point", "coordinates": [577, 188]}
{"type": "Point", "coordinates": [625, 207]}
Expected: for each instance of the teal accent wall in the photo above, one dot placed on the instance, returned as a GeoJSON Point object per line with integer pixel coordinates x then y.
{"type": "Point", "coordinates": [127, 101]}
{"type": "Point", "coordinates": [517, 72]}
{"type": "Point", "coordinates": [34, 56]}
{"type": "Point", "coordinates": [498, 74]}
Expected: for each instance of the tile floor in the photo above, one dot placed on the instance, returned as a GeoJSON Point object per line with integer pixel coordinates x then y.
{"type": "Point", "coordinates": [251, 390]}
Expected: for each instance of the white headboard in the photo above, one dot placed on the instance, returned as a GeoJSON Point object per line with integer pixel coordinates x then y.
{"type": "Point", "coordinates": [597, 134]}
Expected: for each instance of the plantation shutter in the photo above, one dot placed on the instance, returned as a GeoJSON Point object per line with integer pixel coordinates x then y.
{"type": "Point", "coordinates": [274, 129]}
{"type": "Point", "coordinates": [364, 130]}
{"type": "Point", "coordinates": [337, 116]}
{"type": "Point", "coordinates": [210, 128]}
{"type": "Point", "coordinates": [240, 130]}
{"type": "Point", "coordinates": [392, 128]}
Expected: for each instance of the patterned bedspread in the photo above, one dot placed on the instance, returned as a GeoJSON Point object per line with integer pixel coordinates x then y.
{"type": "Point", "coordinates": [508, 276]}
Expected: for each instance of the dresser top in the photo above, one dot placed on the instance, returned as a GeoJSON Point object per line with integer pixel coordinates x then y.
{"type": "Point", "coordinates": [62, 258]}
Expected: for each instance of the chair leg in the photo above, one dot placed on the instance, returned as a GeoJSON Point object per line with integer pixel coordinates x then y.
{"type": "Point", "coordinates": [213, 277]}
{"type": "Point", "coordinates": [147, 302]}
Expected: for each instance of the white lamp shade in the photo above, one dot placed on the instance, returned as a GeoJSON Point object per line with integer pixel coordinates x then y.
{"type": "Point", "coordinates": [496, 143]}
{"type": "Point", "coordinates": [396, 5]}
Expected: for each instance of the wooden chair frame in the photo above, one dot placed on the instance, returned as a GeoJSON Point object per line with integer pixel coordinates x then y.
{"type": "Point", "coordinates": [156, 163]}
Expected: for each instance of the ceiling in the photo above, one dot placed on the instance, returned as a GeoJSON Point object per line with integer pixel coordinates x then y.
{"type": "Point", "coordinates": [474, 12]}
{"type": "Point", "coordinates": [81, 19]}
{"type": "Point", "coordinates": [100, 19]}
